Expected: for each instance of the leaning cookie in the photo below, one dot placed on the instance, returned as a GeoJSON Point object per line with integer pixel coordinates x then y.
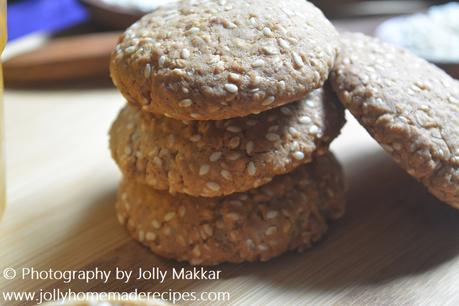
{"type": "Point", "coordinates": [215, 158]}
{"type": "Point", "coordinates": [289, 213]}
{"type": "Point", "coordinates": [213, 60]}
{"type": "Point", "coordinates": [408, 105]}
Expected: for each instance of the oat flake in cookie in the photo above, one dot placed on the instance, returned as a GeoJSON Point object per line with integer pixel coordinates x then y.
{"type": "Point", "coordinates": [212, 60]}
{"type": "Point", "coordinates": [215, 158]}
{"type": "Point", "coordinates": [408, 105]}
{"type": "Point", "coordinates": [290, 213]}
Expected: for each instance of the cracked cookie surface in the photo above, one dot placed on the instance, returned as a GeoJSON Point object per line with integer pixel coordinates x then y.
{"type": "Point", "coordinates": [213, 60]}
{"type": "Point", "coordinates": [289, 213]}
{"type": "Point", "coordinates": [215, 158]}
{"type": "Point", "coordinates": [408, 105]}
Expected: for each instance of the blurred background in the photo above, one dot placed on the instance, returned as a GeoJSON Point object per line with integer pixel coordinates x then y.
{"type": "Point", "coordinates": [61, 41]}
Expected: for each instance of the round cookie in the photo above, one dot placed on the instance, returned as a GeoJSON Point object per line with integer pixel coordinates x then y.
{"type": "Point", "coordinates": [409, 106]}
{"type": "Point", "coordinates": [289, 213]}
{"type": "Point", "coordinates": [215, 158]}
{"type": "Point", "coordinates": [214, 60]}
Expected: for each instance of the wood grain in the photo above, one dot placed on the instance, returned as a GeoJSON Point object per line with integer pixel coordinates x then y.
{"type": "Point", "coordinates": [63, 60]}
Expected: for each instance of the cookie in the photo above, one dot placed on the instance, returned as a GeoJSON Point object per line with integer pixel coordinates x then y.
{"type": "Point", "coordinates": [214, 60]}
{"type": "Point", "coordinates": [216, 158]}
{"type": "Point", "coordinates": [408, 105]}
{"type": "Point", "coordinates": [290, 213]}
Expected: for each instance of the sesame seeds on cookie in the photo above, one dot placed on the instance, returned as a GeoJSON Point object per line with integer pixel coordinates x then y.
{"type": "Point", "coordinates": [290, 213]}
{"type": "Point", "coordinates": [213, 60]}
{"type": "Point", "coordinates": [408, 105]}
{"type": "Point", "coordinates": [215, 158]}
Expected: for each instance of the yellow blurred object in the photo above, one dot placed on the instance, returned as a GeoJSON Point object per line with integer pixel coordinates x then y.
{"type": "Point", "coordinates": [2, 143]}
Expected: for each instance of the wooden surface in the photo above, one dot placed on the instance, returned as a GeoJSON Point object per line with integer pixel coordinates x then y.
{"type": "Point", "coordinates": [396, 245]}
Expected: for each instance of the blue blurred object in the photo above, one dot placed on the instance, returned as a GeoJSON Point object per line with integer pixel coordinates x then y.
{"type": "Point", "coordinates": [31, 16]}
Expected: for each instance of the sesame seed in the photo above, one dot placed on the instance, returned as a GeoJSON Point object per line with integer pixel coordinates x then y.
{"type": "Point", "coordinates": [186, 54]}
{"type": "Point", "coordinates": [147, 71]}
{"type": "Point", "coordinates": [251, 168]}
{"type": "Point", "coordinates": [208, 229]}
{"type": "Point", "coordinates": [130, 49]}
{"type": "Point", "coordinates": [298, 60]}
{"type": "Point", "coordinates": [150, 236]}
{"type": "Point", "coordinates": [232, 216]}
{"type": "Point", "coordinates": [269, 100]}
{"type": "Point", "coordinates": [169, 216]}
{"type": "Point", "coordinates": [262, 247]}
{"type": "Point", "coordinates": [156, 224]}
{"type": "Point", "coordinates": [304, 119]}
{"type": "Point", "coordinates": [271, 214]}
{"type": "Point", "coordinates": [298, 155]}
{"type": "Point", "coordinates": [253, 21]}
{"type": "Point", "coordinates": [251, 122]}
{"type": "Point", "coordinates": [230, 25]}
{"type": "Point", "coordinates": [294, 132]}
{"type": "Point", "coordinates": [270, 50]}
{"type": "Point", "coordinates": [181, 241]}
{"type": "Point", "coordinates": [234, 129]}
{"type": "Point", "coordinates": [121, 219]}
{"type": "Point", "coordinates": [162, 60]}
{"type": "Point", "coordinates": [195, 138]}
{"type": "Point", "coordinates": [226, 175]}
{"type": "Point", "coordinates": [234, 77]}
{"type": "Point", "coordinates": [215, 156]}
{"type": "Point", "coordinates": [196, 251]}
{"type": "Point", "coordinates": [194, 30]}
{"type": "Point", "coordinates": [314, 129]}
{"type": "Point", "coordinates": [157, 161]}
{"type": "Point", "coordinates": [249, 147]}
{"type": "Point", "coordinates": [234, 142]}
{"type": "Point", "coordinates": [185, 103]}
{"type": "Point", "coordinates": [233, 156]}
{"type": "Point", "coordinates": [267, 32]}
{"type": "Point", "coordinates": [258, 63]}
{"type": "Point", "coordinates": [182, 211]}
{"type": "Point", "coordinates": [272, 137]}
{"type": "Point", "coordinates": [231, 88]}
{"type": "Point", "coordinates": [141, 236]}
{"type": "Point", "coordinates": [213, 186]}
{"type": "Point", "coordinates": [195, 116]}
{"type": "Point", "coordinates": [271, 231]}
{"type": "Point", "coordinates": [204, 169]}
{"type": "Point", "coordinates": [397, 146]}
{"type": "Point", "coordinates": [283, 43]}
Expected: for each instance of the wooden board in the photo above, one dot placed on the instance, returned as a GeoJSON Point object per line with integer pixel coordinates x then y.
{"type": "Point", "coordinates": [396, 245]}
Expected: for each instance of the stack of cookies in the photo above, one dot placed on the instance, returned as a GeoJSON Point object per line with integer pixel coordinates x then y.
{"type": "Point", "coordinates": [224, 142]}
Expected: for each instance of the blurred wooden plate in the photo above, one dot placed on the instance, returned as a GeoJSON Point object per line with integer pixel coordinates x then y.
{"type": "Point", "coordinates": [388, 31]}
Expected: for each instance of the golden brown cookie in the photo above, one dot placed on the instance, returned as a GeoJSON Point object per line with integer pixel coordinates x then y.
{"type": "Point", "coordinates": [215, 158]}
{"type": "Point", "coordinates": [289, 213]}
{"type": "Point", "coordinates": [209, 59]}
{"type": "Point", "coordinates": [409, 106]}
